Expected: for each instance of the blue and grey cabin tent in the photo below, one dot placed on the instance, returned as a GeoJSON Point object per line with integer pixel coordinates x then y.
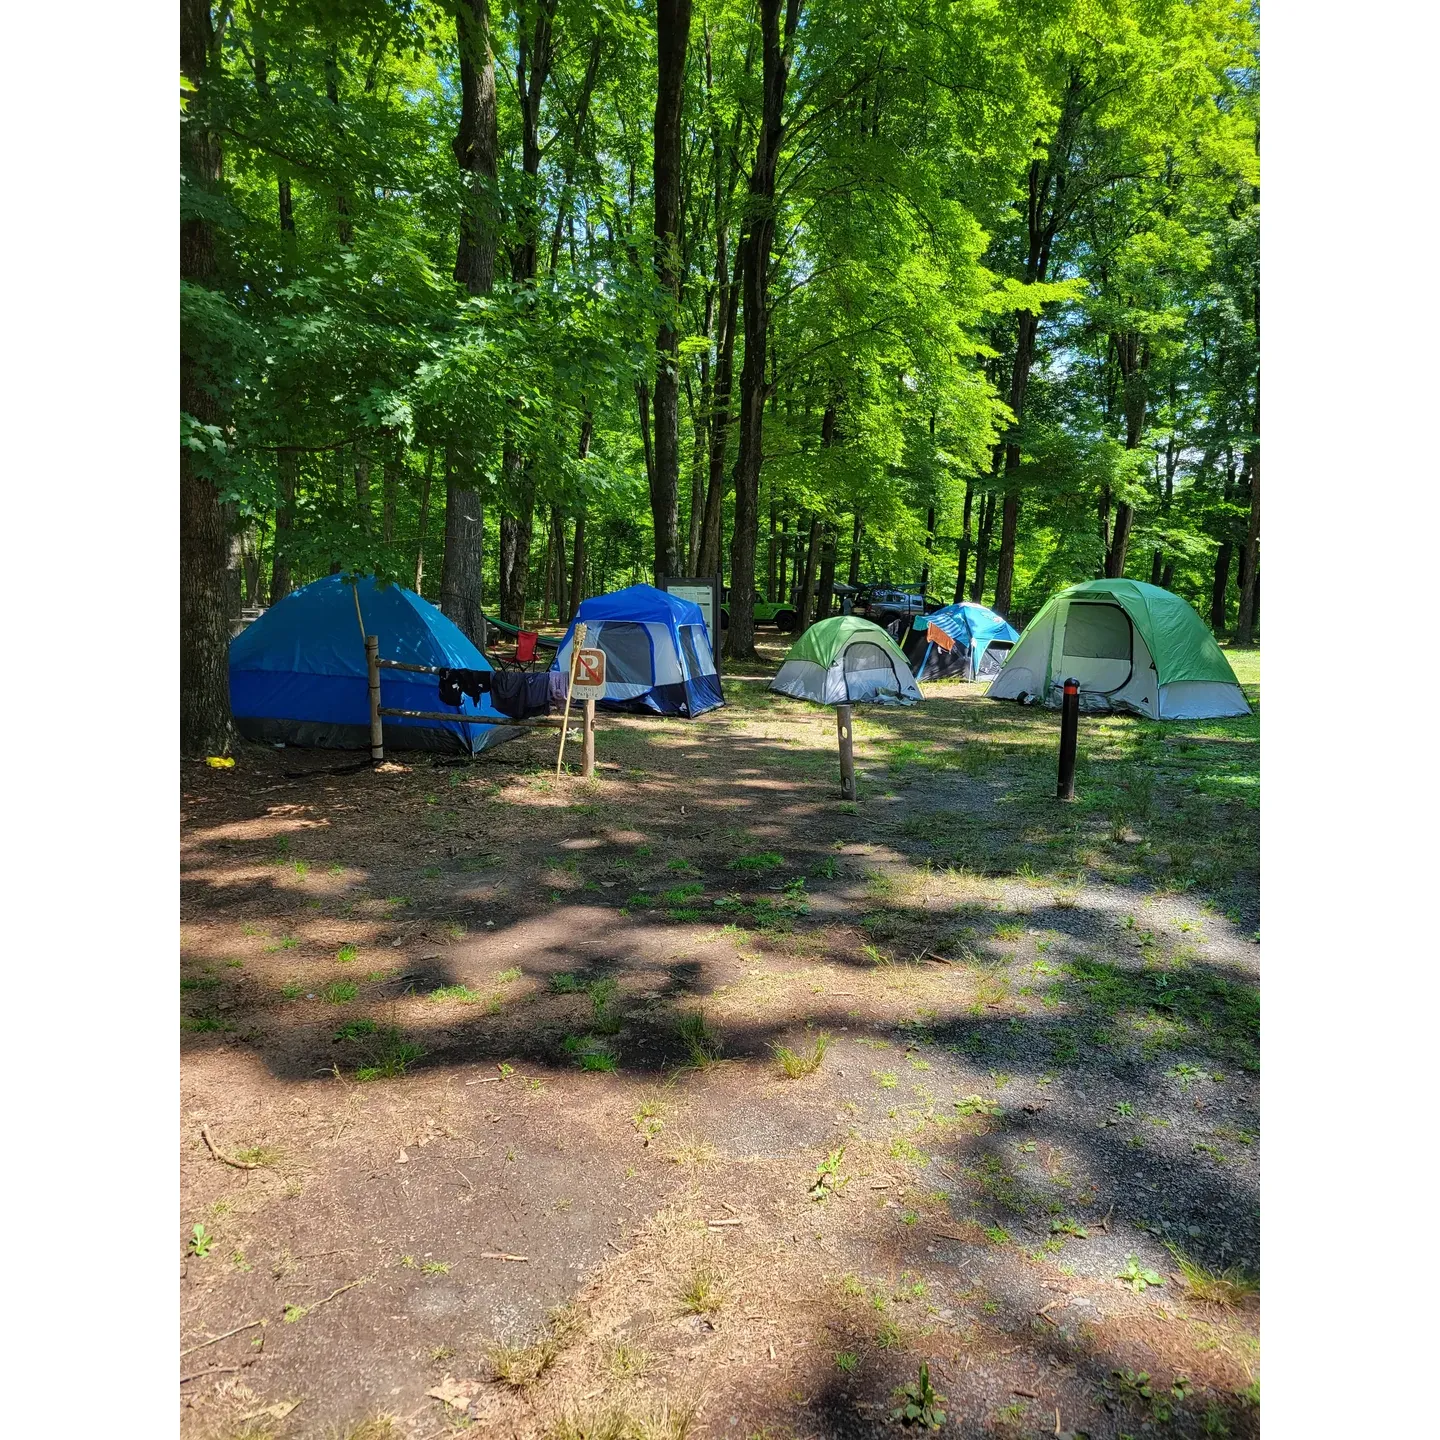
{"type": "Point", "coordinates": [982, 640]}
{"type": "Point", "coordinates": [297, 674]}
{"type": "Point", "coordinates": [657, 651]}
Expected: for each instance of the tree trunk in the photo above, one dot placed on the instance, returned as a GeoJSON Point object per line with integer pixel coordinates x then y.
{"type": "Point", "coordinates": [1134, 358]}
{"type": "Point", "coordinates": [853, 576]}
{"type": "Point", "coordinates": [710, 530]}
{"type": "Point", "coordinates": [759, 236]}
{"type": "Point", "coordinates": [205, 590]}
{"type": "Point", "coordinates": [393, 462]}
{"type": "Point", "coordinates": [463, 567]}
{"type": "Point", "coordinates": [672, 19]}
{"type": "Point", "coordinates": [577, 569]}
{"type": "Point", "coordinates": [424, 518]}
{"type": "Point", "coordinates": [962, 559]}
{"type": "Point", "coordinates": [929, 539]}
{"type": "Point", "coordinates": [699, 453]}
{"type": "Point", "coordinates": [1250, 560]}
{"type": "Point", "coordinates": [363, 513]}
{"type": "Point", "coordinates": [475, 147]}
{"type": "Point", "coordinates": [825, 593]}
{"type": "Point", "coordinates": [344, 229]}
{"type": "Point", "coordinates": [547, 587]}
{"type": "Point", "coordinates": [770, 557]}
{"type": "Point", "coordinates": [982, 548]}
{"type": "Point", "coordinates": [280, 577]}
{"type": "Point", "coordinates": [807, 585]}
{"type": "Point", "coordinates": [516, 531]}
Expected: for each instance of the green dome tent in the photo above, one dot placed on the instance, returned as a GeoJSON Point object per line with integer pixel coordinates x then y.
{"type": "Point", "coordinates": [1132, 647]}
{"type": "Point", "coordinates": [845, 660]}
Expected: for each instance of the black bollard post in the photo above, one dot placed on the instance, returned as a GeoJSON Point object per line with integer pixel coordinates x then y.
{"type": "Point", "coordinates": [1069, 730]}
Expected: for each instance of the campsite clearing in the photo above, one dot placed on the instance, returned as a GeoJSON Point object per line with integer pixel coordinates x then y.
{"type": "Point", "coordinates": [694, 1095]}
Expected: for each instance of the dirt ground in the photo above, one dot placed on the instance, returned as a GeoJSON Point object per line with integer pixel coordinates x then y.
{"type": "Point", "coordinates": [485, 1125]}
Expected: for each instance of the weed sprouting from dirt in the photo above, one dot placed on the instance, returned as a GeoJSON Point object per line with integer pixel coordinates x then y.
{"type": "Point", "coordinates": [766, 860]}
{"type": "Point", "coordinates": [794, 1065]}
{"type": "Point", "coordinates": [340, 992]}
{"type": "Point", "coordinates": [701, 1293]}
{"type": "Point", "coordinates": [356, 1029]}
{"type": "Point", "coordinates": [390, 1055]}
{"type": "Point", "coordinates": [455, 995]}
{"type": "Point", "coordinates": [1225, 1288]}
{"type": "Point", "coordinates": [593, 1053]}
{"type": "Point", "coordinates": [702, 1044]}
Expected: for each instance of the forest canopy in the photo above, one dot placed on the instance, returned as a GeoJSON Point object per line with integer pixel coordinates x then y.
{"type": "Point", "coordinates": [517, 304]}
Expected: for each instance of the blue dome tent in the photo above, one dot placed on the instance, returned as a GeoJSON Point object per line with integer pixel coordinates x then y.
{"type": "Point", "coordinates": [657, 651]}
{"type": "Point", "coordinates": [982, 641]}
{"type": "Point", "coordinates": [297, 674]}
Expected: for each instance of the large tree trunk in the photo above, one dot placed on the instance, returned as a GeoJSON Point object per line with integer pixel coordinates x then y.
{"type": "Point", "coordinates": [461, 573]}
{"type": "Point", "coordinates": [929, 540]}
{"type": "Point", "coordinates": [363, 513]}
{"type": "Point", "coordinates": [759, 237]}
{"type": "Point", "coordinates": [672, 19]}
{"type": "Point", "coordinates": [853, 576]}
{"type": "Point", "coordinates": [344, 228]}
{"type": "Point", "coordinates": [1250, 561]}
{"type": "Point", "coordinates": [206, 599]}
{"type": "Point", "coordinates": [475, 147]}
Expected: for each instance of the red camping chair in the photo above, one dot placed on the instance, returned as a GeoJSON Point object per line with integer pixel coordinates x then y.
{"type": "Point", "coordinates": [524, 657]}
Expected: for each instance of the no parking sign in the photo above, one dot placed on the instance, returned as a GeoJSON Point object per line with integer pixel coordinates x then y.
{"type": "Point", "coordinates": [589, 674]}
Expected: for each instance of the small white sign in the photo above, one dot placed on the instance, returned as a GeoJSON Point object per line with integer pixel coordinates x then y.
{"type": "Point", "coordinates": [589, 675]}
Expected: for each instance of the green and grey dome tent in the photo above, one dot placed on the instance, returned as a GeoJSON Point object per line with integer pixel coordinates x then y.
{"type": "Point", "coordinates": [845, 660]}
{"type": "Point", "coordinates": [1133, 647]}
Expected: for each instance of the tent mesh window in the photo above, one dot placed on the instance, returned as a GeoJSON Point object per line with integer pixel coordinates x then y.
{"type": "Point", "coordinates": [1097, 632]}
{"type": "Point", "coordinates": [866, 655]}
{"type": "Point", "coordinates": [693, 664]}
{"type": "Point", "coordinates": [627, 653]}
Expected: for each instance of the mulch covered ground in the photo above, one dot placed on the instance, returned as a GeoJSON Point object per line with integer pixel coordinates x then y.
{"type": "Point", "coordinates": [486, 1121]}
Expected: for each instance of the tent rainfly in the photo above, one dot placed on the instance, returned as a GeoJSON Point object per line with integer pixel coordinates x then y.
{"type": "Point", "coordinates": [845, 660]}
{"type": "Point", "coordinates": [657, 651]}
{"type": "Point", "coordinates": [980, 641]}
{"type": "Point", "coordinates": [1133, 647]}
{"type": "Point", "coordinates": [298, 673]}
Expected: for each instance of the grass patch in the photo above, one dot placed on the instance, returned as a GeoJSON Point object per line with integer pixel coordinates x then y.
{"type": "Point", "coordinates": [390, 1056]}
{"type": "Point", "coordinates": [356, 1029]}
{"type": "Point", "coordinates": [340, 992]}
{"type": "Point", "coordinates": [1225, 1288]}
{"type": "Point", "coordinates": [702, 1043]}
{"type": "Point", "coordinates": [794, 1065]}
{"type": "Point", "coordinates": [765, 861]}
{"type": "Point", "coordinates": [701, 1293]}
{"type": "Point", "coordinates": [346, 953]}
{"type": "Point", "coordinates": [592, 1053]}
{"type": "Point", "coordinates": [455, 995]}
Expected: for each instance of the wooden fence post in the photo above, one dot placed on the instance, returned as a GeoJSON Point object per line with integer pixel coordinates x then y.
{"type": "Point", "coordinates": [843, 721]}
{"type": "Point", "coordinates": [587, 768]}
{"type": "Point", "coordinates": [377, 726]}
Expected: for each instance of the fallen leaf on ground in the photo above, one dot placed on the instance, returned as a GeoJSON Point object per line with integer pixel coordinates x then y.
{"type": "Point", "coordinates": [277, 1411]}
{"type": "Point", "coordinates": [456, 1393]}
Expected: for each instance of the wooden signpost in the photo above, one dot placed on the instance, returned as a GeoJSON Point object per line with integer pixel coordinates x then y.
{"type": "Point", "coordinates": [587, 680]}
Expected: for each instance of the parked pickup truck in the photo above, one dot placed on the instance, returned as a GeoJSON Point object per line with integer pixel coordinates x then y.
{"type": "Point", "coordinates": [883, 604]}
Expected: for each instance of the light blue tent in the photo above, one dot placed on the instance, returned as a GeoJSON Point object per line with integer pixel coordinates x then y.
{"type": "Point", "coordinates": [982, 641]}
{"type": "Point", "coordinates": [298, 674]}
{"type": "Point", "coordinates": [657, 651]}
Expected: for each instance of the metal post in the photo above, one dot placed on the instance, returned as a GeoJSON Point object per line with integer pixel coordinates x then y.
{"type": "Point", "coordinates": [847, 752]}
{"type": "Point", "coordinates": [377, 726]}
{"type": "Point", "coordinates": [587, 766]}
{"type": "Point", "coordinates": [1069, 730]}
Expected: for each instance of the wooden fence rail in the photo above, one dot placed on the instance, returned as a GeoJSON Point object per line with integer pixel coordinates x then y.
{"type": "Point", "coordinates": [374, 665]}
